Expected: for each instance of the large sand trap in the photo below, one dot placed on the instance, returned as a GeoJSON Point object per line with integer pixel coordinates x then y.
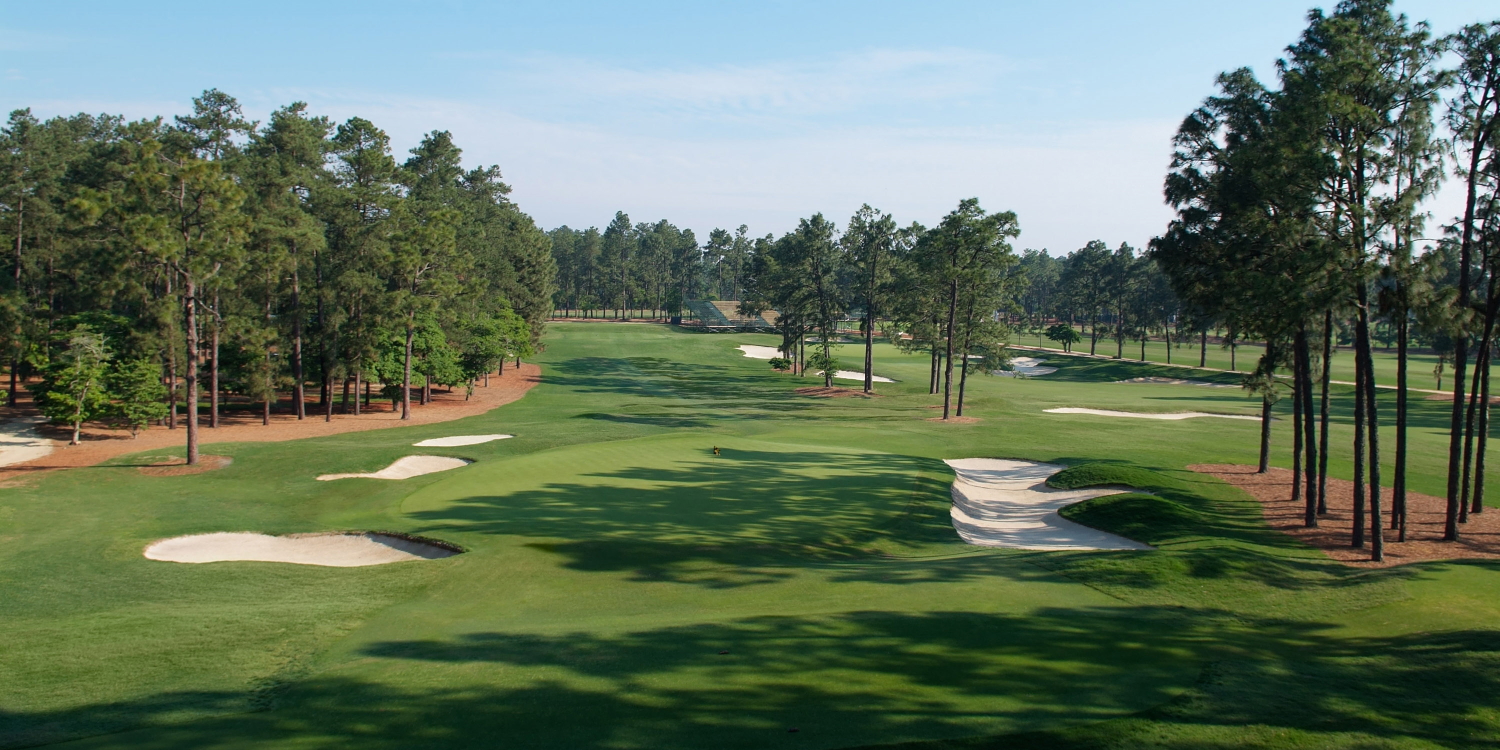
{"type": "Point", "coordinates": [1025, 367]}
{"type": "Point", "coordinates": [1175, 415]}
{"type": "Point", "coordinates": [998, 502]}
{"type": "Point", "coordinates": [20, 441]}
{"type": "Point", "coordinates": [1178, 381]}
{"type": "Point", "coordinates": [333, 550]}
{"type": "Point", "coordinates": [760, 352]}
{"type": "Point", "coordinates": [770, 352]}
{"type": "Point", "coordinates": [457, 440]}
{"type": "Point", "coordinates": [406, 468]}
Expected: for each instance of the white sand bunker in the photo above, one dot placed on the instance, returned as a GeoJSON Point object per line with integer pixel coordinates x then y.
{"type": "Point", "coordinates": [1178, 381]}
{"type": "Point", "coordinates": [770, 352]}
{"type": "Point", "coordinates": [457, 440]}
{"type": "Point", "coordinates": [336, 550]}
{"type": "Point", "coordinates": [852, 375]}
{"type": "Point", "coordinates": [1025, 367]}
{"type": "Point", "coordinates": [760, 352]}
{"type": "Point", "coordinates": [406, 468]}
{"type": "Point", "coordinates": [20, 441]}
{"type": "Point", "coordinates": [1003, 503]}
{"type": "Point", "coordinates": [1175, 415]}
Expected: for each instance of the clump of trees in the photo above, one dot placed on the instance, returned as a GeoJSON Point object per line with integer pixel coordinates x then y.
{"type": "Point", "coordinates": [151, 261]}
{"type": "Point", "coordinates": [1299, 211]}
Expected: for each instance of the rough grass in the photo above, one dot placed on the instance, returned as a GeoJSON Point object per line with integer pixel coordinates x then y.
{"type": "Point", "coordinates": [612, 558]}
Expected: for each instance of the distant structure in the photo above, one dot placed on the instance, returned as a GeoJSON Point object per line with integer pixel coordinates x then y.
{"type": "Point", "coordinates": [724, 316]}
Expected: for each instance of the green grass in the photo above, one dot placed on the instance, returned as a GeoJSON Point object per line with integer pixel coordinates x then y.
{"type": "Point", "coordinates": [612, 557]}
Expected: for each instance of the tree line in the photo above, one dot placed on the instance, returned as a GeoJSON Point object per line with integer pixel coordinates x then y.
{"type": "Point", "coordinates": [647, 266]}
{"type": "Point", "coordinates": [940, 290]}
{"type": "Point", "coordinates": [154, 260]}
{"type": "Point", "coordinates": [1299, 212]}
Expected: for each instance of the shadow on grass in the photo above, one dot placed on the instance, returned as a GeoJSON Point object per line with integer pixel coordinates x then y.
{"type": "Point", "coordinates": [856, 678]}
{"type": "Point", "coordinates": [719, 521]}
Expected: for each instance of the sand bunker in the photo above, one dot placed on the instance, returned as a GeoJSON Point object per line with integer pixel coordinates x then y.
{"type": "Point", "coordinates": [406, 468]}
{"type": "Point", "coordinates": [1143, 415]}
{"type": "Point", "coordinates": [457, 440]}
{"type": "Point", "coordinates": [770, 352]}
{"type": "Point", "coordinates": [760, 352]}
{"type": "Point", "coordinates": [1003, 503]}
{"type": "Point", "coordinates": [20, 441]}
{"type": "Point", "coordinates": [337, 550]}
{"type": "Point", "coordinates": [1178, 381]}
{"type": "Point", "coordinates": [852, 375]}
{"type": "Point", "coordinates": [1025, 367]}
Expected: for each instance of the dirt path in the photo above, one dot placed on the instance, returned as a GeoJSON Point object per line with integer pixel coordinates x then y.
{"type": "Point", "coordinates": [102, 443]}
{"type": "Point", "coordinates": [1479, 538]}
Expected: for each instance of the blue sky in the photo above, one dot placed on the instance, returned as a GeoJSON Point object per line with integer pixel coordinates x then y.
{"type": "Point", "coordinates": [712, 114]}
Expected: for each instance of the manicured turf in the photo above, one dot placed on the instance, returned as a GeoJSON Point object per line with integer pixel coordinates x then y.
{"type": "Point", "coordinates": [613, 558]}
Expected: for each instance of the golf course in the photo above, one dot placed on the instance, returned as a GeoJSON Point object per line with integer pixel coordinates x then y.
{"type": "Point", "coordinates": [676, 549]}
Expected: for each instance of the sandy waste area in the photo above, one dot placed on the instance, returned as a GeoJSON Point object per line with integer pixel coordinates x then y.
{"type": "Point", "coordinates": [1001, 502]}
{"type": "Point", "coordinates": [771, 352]}
{"type": "Point", "coordinates": [1175, 415]}
{"type": "Point", "coordinates": [1026, 367]}
{"type": "Point", "coordinates": [405, 468]}
{"type": "Point", "coordinates": [337, 550]}
{"type": "Point", "coordinates": [20, 441]}
{"type": "Point", "coordinates": [1178, 381]}
{"type": "Point", "coordinates": [459, 440]}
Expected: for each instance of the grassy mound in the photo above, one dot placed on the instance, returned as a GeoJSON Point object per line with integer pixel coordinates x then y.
{"type": "Point", "coordinates": [1101, 475]}
{"type": "Point", "coordinates": [1144, 518]}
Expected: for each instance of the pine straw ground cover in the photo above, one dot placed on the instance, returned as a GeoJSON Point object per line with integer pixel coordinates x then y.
{"type": "Point", "coordinates": [613, 560]}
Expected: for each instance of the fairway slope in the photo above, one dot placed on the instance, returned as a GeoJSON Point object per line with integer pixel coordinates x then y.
{"type": "Point", "coordinates": [1003, 503]}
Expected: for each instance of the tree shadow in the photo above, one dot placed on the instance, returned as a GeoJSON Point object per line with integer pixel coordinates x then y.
{"type": "Point", "coordinates": [735, 519]}
{"type": "Point", "coordinates": [856, 678]}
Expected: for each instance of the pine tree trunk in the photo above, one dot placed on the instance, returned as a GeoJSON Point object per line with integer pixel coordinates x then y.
{"type": "Point", "coordinates": [213, 368]}
{"type": "Point", "coordinates": [963, 377]}
{"type": "Point", "coordinates": [190, 319]}
{"type": "Point", "coordinates": [948, 364]}
{"type": "Point", "coordinates": [1398, 480]}
{"type": "Point", "coordinates": [328, 395]}
{"type": "Point", "coordinates": [406, 370]}
{"type": "Point", "coordinates": [1203, 348]}
{"type": "Point", "coordinates": [932, 374]}
{"type": "Point", "coordinates": [1358, 535]}
{"type": "Point", "coordinates": [1323, 411]}
{"type": "Point", "coordinates": [1367, 359]}
{"type": "Point", "coordinates": [1265, 435]}
{"type": "Point", "coordinates": [870, 342]}
{"type": "Point", "coordinates": [299, 393]}
{"type": "Point", "coordinates": [1297, 419]}
{"type": "Point", "coordinates": [358, 377]}
{"type": "Point", "coordinates": [1471, 414]}
{"type": "Point", "coordinates": [1309, 431]}
{"type": "Point", "coordinates": [1484, 429]}
{"type": "Point", "coordinates": [15, 385]}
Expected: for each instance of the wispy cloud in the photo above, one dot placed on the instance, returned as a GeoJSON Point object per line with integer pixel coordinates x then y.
{"type": "Point", "coordinates": [18, 40]}
{"type": "Point", "coordinates": [874, 78]}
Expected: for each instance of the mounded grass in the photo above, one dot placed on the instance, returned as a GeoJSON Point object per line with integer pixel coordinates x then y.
{"type": "Point", "coordinates": [612, 558]}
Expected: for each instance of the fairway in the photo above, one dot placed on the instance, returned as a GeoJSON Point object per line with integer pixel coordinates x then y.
{"type": "Point", "coordinates": [624, 587]}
